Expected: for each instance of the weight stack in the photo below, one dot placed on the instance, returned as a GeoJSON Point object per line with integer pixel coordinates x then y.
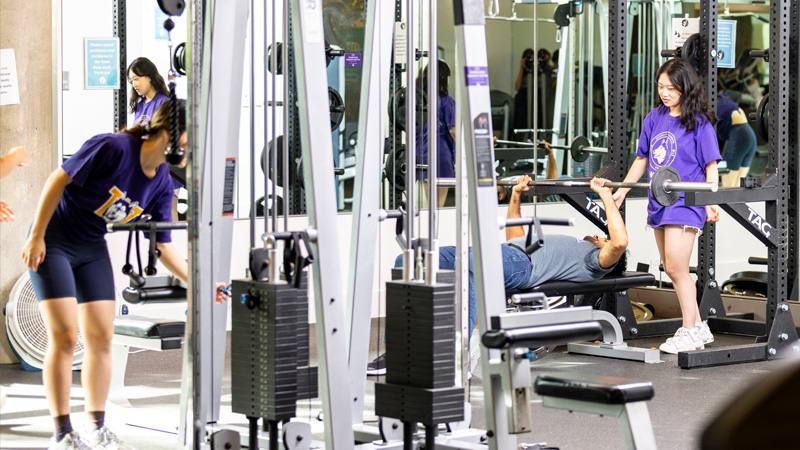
{"type": "Point", "coordinates": [307, 376]}
{"type": "Point", "coordinates": [264, 359]}
{"type": "Point", "coordinates": [420, 355]}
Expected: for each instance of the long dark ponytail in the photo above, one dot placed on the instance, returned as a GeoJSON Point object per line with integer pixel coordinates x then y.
{"type": "Point", "coordinates": [693, 103]}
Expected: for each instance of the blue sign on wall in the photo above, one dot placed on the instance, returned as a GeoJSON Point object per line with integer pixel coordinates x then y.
{"type": "Point", "coordinates": [101, 63]}
{"type": "Point", "coordinates": [726, 44]}
{"type": "Point", "coordinates": [161, 33]}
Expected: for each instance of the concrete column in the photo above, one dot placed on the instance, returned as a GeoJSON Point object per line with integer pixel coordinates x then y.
{"type": "Point", "coordinates": [26, 27]}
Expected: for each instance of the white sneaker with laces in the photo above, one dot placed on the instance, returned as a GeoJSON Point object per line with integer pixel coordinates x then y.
{"type": "Point", "coordinates": [70, 442]}
{"type": "Point", "coordinates": [704, 332]}
{"type": "Point", "coordinates": [685, 340]}
{"type": "Point", "coordinates": [104, 439]}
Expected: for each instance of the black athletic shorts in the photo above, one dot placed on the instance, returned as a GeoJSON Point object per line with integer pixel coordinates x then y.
{"type": "Point", "coordinates": [73, 269]}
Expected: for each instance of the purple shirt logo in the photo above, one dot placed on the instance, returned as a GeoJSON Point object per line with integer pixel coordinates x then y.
{"type": "Point", "coordinates": [663, 149]}
{"type": "Point", "coordinates": [118, 208]}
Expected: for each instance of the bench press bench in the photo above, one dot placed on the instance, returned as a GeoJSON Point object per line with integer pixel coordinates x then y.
{"type": "Point", "coordinates": [619, 323]}
{"type": "Point", "coordinates": [617, 397]}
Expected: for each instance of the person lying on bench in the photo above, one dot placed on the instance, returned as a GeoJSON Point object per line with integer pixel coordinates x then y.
{"type": "Point", "coordinates": [562, 258]}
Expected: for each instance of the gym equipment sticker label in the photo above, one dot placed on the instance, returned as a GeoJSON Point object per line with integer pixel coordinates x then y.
{"type": "Point", "coordinates": [682, 28]}
{"type": "Point", "coordinates": [227, 195]}
{"type": "Point", "coordinates": [352, 59]}
{"type": "Point", "coordinates": [484, 154]}
{"type": "Point", "coordinates": [400, 45]}
{"type": "Point", "coordinates": [477, 76]}
{"type": "Point", "coordinates": [101, 63]}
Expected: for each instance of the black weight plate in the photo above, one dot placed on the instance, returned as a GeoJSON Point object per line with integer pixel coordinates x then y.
{"type": "Point", "coordinates": [394, 169]}
{"type": "Point", "coordinates": [762, 119]}
{"type": "Point", "coordinates": [397, 102]}
{"type": "Point", "coordinates": [336, 104]}
{"type": "Point", "coordinates": [660, 194]}
{"type": "Point", "coordinates": [576, 149]}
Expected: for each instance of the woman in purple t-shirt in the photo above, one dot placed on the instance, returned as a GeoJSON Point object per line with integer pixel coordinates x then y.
{"type": "Point", "coordinates": [113, 178]}
{"type": "Point", "coordinates": [148, 90]}
{"type": "Point", "coordinates": [679, 133]}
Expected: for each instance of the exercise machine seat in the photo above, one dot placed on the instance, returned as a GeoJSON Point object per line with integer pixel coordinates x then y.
{"type": "Point", "coordinates": [593, 388]}
{"type": "Point", "coordinates": [607, 284]}
{"type": "Point", "coordinates": [543, 335]}
{"type": "Point", "coordinates": [146, 327]}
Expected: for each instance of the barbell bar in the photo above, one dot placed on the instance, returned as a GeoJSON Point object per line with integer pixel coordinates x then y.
{"type": "Point", "coordinates": [579, 149]}
{"type": "Point", "coordinates": [666, 185]}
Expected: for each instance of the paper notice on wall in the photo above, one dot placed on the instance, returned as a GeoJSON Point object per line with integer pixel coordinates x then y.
{"type": "Point", "coordinates": [726, 43]}
{"type": "Point", "coordinates": [682, 28]}
{"type": "Point", "coordinates": [9, 84]}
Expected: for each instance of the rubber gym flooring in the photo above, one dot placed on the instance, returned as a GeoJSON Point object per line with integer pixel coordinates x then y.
{"type": "Point", "coordinates": [685, 400]}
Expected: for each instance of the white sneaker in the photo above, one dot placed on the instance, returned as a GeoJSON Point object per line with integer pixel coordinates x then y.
{"type": "Point", "coordinates": [104, 439]}
{"type": "Point", "coordinates": [70, 442]}
{"type": "Point", "coordinates": [685, 340]}
{"type": "Point", "coordinates": [704, 332]}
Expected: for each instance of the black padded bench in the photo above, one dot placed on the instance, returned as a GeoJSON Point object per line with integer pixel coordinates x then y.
{"type": "Point", "coordinates": [606, 396]}
{"type": "Point", "coordinates": [619, 304]}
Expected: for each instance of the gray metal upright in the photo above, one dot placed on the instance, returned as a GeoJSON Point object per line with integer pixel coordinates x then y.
{"type": "Point", "coordinates": [378, 29]}
{"type": "Point", "coordinates": [411, 143]}
{"type": "Point", "coordinates": [472, 83]}
{"type": "Point", "coordinates": [213, 125]}
{"type": "Point", "coordinates": [432, 259]}
{"type": "Point", "coordinates": [309, 52]}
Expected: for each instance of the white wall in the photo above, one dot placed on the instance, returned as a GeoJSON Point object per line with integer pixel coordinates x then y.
{"type": "Point", "coordinates": [734, 246]}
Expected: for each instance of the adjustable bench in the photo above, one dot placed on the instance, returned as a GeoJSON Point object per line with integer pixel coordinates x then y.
{"type": "Point", "coordinates": [617, 324]}
{"type": "Point", "coordinates": [606, 396]}
{"type": "Point", "coordinates": [619, 304]}
{"type": "Point", "coordinates": [144, 332]}
{"type": "Point", "coordinates": [512, 332]}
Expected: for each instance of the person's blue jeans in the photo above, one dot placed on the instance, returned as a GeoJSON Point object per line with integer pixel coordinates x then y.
{"type": "Point", "coordinates": [516, 272]}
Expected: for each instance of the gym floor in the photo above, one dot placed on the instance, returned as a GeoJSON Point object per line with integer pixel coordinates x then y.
{"type": "Point", "coordinates": [685, 400]}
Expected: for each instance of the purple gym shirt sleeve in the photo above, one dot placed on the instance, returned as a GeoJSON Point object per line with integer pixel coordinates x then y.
{"type": "Point", "coordinates": [664, 141]}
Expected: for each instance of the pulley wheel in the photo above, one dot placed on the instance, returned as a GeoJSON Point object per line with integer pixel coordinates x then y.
{"type": "Point", "coordinates": [576, 149]}
{"type": "Point", "coordinates": [337, 108]}
{"type": "Point", "coordinates": [661, 195]}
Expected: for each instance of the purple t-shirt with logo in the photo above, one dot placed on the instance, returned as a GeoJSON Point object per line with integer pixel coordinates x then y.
{"type": "Point", "coordinates": [665, 142]}
{"type": "Point", "coordinates": [145, 110]}
{"type": "Point", "coordinates": [109, 186]}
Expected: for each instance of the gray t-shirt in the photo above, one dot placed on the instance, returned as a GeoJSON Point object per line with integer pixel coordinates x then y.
{"type": "Point", "coordinates": [563, 258]}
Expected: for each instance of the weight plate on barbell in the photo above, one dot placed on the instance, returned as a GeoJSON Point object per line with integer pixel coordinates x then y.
{"type": "Point", "coordinates": [336, 104]}
{"type": "Point", "coordinates": [762, 119]}
{"type": "Point", "coordinates": [658, 188]}
{"type": "Point", "coordinates": [576, 149]}
{"type": "Point", "coordinates": [397, 102]}
{"type": "Point", "coordinates": [394, 169]}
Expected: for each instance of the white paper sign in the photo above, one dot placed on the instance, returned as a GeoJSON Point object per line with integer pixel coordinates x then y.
{"type": "Point", "coordinates": [400, 42]}
{"type": "Point", "coordinates": [9, 85]}
{"type": "Point", "coordinates": [682, 28]}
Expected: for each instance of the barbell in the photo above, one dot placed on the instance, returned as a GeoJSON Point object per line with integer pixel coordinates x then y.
{"type": "Point", "coordinates": [666, 185]}
{"type": "Point", "coordinates": [579, 149]}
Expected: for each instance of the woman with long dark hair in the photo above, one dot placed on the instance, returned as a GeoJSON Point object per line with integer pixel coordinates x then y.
{"type": "Point", "coordinates": [148, 90]}
{"type": "Point", "coordinates": [679, 133]}
{"type": "Point", "coordinates": [113, 178]}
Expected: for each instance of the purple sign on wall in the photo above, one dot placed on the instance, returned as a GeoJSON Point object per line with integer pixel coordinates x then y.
{"type": "Point", "coordinates": [352, 59]}
{"type": "Point", "coordinates": [477, 76]}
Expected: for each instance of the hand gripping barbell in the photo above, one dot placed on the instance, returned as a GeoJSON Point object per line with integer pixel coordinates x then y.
{"type": "Point", "coordinates": [666, 185]}
{"type": "Point", "coordinates": [579, 149]}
